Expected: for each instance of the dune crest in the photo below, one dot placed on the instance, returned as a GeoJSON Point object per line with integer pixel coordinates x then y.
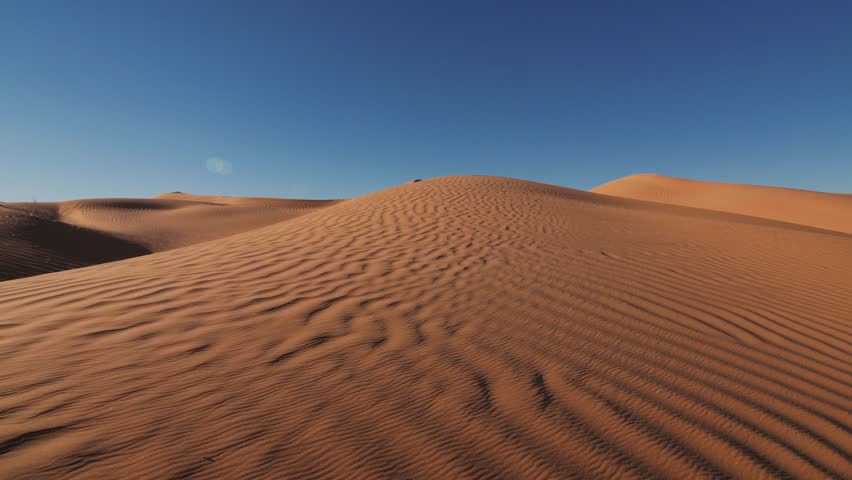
{"type": "Point", "coordinates": [458, 327]}
{"type": "Point", "coordinates": [830, 211]}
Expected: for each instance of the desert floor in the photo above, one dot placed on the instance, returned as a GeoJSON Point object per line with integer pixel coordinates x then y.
{"type": "Point", "coordinates": [458, 327]}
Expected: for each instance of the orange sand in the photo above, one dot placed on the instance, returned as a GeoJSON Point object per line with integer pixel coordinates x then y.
{"type": "Point", "coordinates": [830, 211]}
{"type": "Point", "coordinates": [38, 238]}
{"type": "Point", "coordinates": [459, 327]}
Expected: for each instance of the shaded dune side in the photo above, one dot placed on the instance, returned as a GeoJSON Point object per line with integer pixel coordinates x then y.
{"type": "Point", "coordinates": [829, 211]}
{"type": "Point", "coordinates": [461, 327]}
{"type": "Point", "coordinates": [33, 245]}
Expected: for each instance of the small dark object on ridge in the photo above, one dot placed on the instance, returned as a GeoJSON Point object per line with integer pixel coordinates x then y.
{"type": "Point", "coordinates": [415, 180]}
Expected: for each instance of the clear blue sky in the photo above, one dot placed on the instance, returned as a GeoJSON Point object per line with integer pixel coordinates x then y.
{"type": "Point", "coordinates": [324, 99]}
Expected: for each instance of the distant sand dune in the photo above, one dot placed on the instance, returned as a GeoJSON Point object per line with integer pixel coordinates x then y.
{"type": "Point", "coordinates": [50, 237]}
{"type": "Point", "coordinates": [32, 245]}
{"type": "Point", "coordinates": [458, 327]}
{"type": "Point", "coordinates": [167, 223]}
{"type": "Point", "coordinates": [830, 211]}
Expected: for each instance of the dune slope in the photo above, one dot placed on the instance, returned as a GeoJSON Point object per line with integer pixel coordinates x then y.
{"type": "Point", "coordinates": [830, 211]}
{"type": "Point", "coordinates": [460, 327]}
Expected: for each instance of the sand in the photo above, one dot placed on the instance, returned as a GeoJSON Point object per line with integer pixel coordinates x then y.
{"type": "Point", "coordinates": [830, 211]}
{"type": "Point", "coordinates": [458, 327]}
{"type": "Point", "coordinates": [31, 244]}
{"type": "Point", "coordinates": [37, 238]}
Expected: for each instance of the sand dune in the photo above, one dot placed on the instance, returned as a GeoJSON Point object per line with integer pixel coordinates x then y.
{"type": "Point", "coordinates": [48, 237]}
{"type": "Point", "coordinates": [166, 223]}
{"type": "Point", "coordinates": [459, 327]}
{"type": "Point", "coordinates": [33, 245]}
{"type": "Point", "coordinates": [830, 211]}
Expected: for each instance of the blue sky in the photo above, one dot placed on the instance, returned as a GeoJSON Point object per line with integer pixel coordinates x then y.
{"type": "Point", "coordinates": [322, 99]}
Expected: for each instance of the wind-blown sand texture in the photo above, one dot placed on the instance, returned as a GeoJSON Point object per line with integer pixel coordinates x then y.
{"type": "Point", "coordinates": [459, 327]}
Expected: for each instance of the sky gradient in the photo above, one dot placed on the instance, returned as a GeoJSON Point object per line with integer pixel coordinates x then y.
{"type": "Point", "coordinates": [326, 99]}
